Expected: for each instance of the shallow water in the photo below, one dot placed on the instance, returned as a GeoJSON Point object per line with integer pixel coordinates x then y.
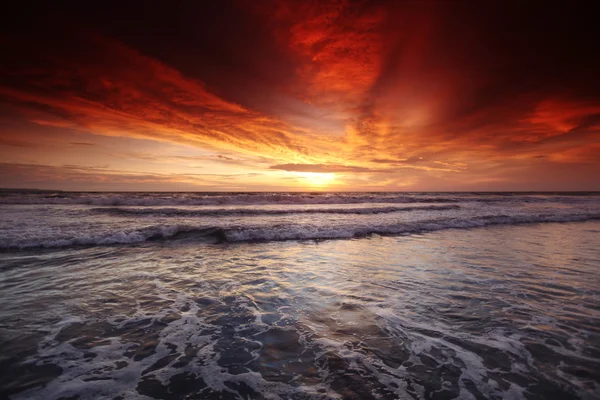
{"type": "Point", "coordinates": [507, 311]}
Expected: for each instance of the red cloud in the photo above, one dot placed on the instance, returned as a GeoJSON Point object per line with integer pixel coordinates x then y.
{"type": "Point", "coordinates": [115, 90]}
{"type": "Point", "coordinates": [441, 88]}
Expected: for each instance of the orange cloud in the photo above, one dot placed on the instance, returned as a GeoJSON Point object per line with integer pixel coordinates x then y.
{"type": "Point", "coordinates": [117, 91]}
{"type": "Point", "coordinates": [398, 93]}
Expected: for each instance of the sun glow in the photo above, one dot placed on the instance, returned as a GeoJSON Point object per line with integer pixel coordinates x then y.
{"type": "Point", "coordinates": [318, 178]}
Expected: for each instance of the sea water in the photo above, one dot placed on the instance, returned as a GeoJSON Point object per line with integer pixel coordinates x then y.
{"type": "Point", "coordinates": [299, 295]}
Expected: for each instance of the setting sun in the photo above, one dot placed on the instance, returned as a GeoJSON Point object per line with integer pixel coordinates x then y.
{"type": "Point", "coordinates": [318, 178]}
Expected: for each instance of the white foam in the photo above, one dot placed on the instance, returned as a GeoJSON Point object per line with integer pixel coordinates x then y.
{"type": "Point", "coordinates": [298, 231]}
{"type": "Point", "coordinates": [304, 232]}
{"type": "Point", "coordinates": [186, 212]}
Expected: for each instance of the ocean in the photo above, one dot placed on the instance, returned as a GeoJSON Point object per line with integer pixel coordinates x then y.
{"type": "Point", "coordinates": [299, 295]}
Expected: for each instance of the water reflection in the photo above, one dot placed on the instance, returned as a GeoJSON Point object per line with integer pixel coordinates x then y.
{"type": "Point", "coordinates": [490, 313]}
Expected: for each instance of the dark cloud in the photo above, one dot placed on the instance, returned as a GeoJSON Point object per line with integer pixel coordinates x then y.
{"type": "Point", "coordinates": [16, 143]}
{"type": "Point", "coordinates": [410, 160]}
{"type": "Point", "coordinates": [320, 168]}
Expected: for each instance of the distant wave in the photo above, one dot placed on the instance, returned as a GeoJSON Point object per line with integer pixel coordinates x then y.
{"type": "Point", "coordinates": [215, 199]}
{"type": "Point", "coordinates": [189, 199]}
{"type": "Point", "coordinates": [282, 232]}
{"type": "Point", "coordinates": [179, 212]}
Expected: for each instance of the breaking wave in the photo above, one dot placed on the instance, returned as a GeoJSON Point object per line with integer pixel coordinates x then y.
{"type": "Point", "coordinates": [208, 199]}
{"type": "Point", "coordinates": [216, 234]}
{"type": "Point", "coordinates": [217, 212]}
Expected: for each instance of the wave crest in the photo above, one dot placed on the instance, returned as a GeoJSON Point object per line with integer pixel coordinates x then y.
{"type": "Point", "coordinates": [282, 232]}
{"type": "Point", "coordinates": [217, 212]}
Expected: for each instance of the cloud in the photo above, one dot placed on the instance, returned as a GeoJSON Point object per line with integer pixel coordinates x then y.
{"type": "Point", "coordinates": [320, 168]}
{"type": "Point", "coordinates": [112, 89]}
{"type": "Point", "coordinates": [18, 174]}
{"type": "Point", "coordinates": [103, 178]}
{"type": "Point", "coordinates": [81, 144]}
{"type": "Point", "coordinates": [411, 92]}
{"type": "Point", "coordinates": [16, 143]}
{"type": "Point", "coordinates": [70, 176]}
{"type": "Point", "coordinates": [410, 160]}
{"type": "Point", "coordinates": [340, 47]}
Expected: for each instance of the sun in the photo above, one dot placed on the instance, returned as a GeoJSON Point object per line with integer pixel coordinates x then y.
{"type": "Point", "coordinates": [318, 178]}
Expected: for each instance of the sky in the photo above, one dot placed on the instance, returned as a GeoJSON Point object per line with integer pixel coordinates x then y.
{"type": "Point", "coordinates": [281, 95]}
